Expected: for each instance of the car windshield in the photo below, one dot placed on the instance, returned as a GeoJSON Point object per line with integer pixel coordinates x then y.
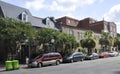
{"type": "Point", "coordinates": [104, 53]}
{"type": "Point", "coordinates": [38, 56]}
{"type": "Point", "coordinates": [68, 55]}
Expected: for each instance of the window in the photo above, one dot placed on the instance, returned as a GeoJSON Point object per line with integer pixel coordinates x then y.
{"type": "Point", "coordinates": [68, 21]}
{"type": "Point", "coordinates": [23, 17]}
{"type": "Point", "coordinates": [80, 35]}
{"type": "Point", "coordinates": [115, 35]}
{"type": "Point", "coordinates": [105, 28]}
{"type": "Point", "coordinates": [52, 55]}
{"type": "Point", "coordinates": [45, 56]}
{"type": "Point", "coordinates": [70, 31]}
{"type": "Point", "coordinates": [48, 22]}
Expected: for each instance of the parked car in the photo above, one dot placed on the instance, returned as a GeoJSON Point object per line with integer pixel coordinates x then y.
{"type": "Point", "coordinates": [104, 55]}
{"type": "Point", "coordinates": [113, 54]}
{"type": "Point", "coordinates": [92, 56]}
{"type": "Point", "coordinates": [74, 57]}
{"type": "Point", "coordinates": [46, 59]}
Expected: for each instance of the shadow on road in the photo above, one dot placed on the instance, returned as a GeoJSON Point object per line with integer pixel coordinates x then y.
{"type": "Point", "coordinates": [2, 70]}
{"type": "Point", "coordinates": [117, 72]}
{"type": "Point", "coordinates": [7, 70]}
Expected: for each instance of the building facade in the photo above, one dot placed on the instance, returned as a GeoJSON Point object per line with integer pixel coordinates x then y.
{"type": "Point", "coordinates": [99, 26]}
{"type": "Point", "coordinates": [74, 27]}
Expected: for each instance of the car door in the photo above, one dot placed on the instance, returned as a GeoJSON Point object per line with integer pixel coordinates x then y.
{"type": "Point", "coordinates": [78, 56]}
{"type": "Point", "coordinates": [81, 56]}
{"type": "Point", "coordinates": [52, 58]}
{"type": "Point", "coordinates": [75, 57]}
{"type": "Point", "coordinates": [95, 56]}
{"type": "Point", "coordinates": [46, 59]}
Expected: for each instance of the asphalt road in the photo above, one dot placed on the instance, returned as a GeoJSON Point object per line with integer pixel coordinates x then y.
{"type": "Point", "coordinates": [99, 66]}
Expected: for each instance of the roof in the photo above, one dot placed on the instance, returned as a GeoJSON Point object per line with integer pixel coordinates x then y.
{"type": "Point", "coordinates": [63, 20]}
{"type": "Point", "coordinates": [13, 11]}
{"type": "Point", "coordinates": [37, 22]}
{"type": "Point", "coordinates": [68, 18]}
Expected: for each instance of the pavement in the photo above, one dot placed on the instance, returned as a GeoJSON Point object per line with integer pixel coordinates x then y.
{"type": "Point", "coordinates": [2, 67]}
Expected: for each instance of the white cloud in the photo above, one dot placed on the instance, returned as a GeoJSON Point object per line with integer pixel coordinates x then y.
{"type": "Point", "coordinates": [58, 5]}
{"type": "Point", "coordinates": [35, 4]}
{"type": "Point", "coordinates": [101, 1]}
{"type": "Point", "coordinates": [114, 15]}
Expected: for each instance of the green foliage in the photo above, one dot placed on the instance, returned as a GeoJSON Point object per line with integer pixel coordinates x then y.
{"type": "Point", "coordinates": [117, 42]}
{"type": "Point", "coordinates": [88, 34]}
{"type": "Point", "coordinates": [103, 41]}
{"type": "Point", "coordinates": [111, 41]}
{"type": "Point", "coordinates": [106, 41]}
{"type": "Point", "coordinates": [88, 42]}
{"type": "Point", "coordinates": [45, 35]}
{"type": "Point", "coordinates": [13, 31]}
{"type": "Point", "coordinates": [63, 42]}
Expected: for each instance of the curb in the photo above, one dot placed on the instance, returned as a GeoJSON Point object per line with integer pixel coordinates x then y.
{"type": "Point", "coordinates": [2, 68]}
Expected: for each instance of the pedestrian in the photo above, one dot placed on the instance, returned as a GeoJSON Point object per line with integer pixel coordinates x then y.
{"type": "Point", "coordinates": [27, 60]}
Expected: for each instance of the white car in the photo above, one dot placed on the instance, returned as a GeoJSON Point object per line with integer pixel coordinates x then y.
{"type": "Point", "coordinates": [113, 53]}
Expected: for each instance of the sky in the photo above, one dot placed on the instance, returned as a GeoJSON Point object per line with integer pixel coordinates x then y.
{"type": "Point", "coordinates": [108, 10]}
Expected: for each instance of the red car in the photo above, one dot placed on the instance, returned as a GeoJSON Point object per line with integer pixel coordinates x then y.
{"type": "Point", "coordinates": [46, 59]}
{"type": "Point", "coordinates": [104, 55]}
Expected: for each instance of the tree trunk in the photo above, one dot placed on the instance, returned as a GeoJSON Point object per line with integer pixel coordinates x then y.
{"type": "Point", "coordinates": [89, 51]}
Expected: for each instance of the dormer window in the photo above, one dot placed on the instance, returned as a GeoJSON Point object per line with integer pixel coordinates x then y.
{"type": "Point", "coordinates": [48, 21]}
{"type": "Point", "coordinates": [23, 17]}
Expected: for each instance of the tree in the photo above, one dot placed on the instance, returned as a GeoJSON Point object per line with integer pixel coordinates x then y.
{"type": "Point", "coordinates": [45, 36]}
{"type": "Point", "coordinates": [117, 42]}
{"type": "Point", "coordinates": [88, 42]}
{"type": "Point", "coordinates": [88, 34]}
{"type": "Point", "coordinates": [111, 43]}
{"type": "Point", "coordinates": [63, 43]}
{"type": "Point", "coordinates": [13, 32]}
{"type": "Point", "coordinates": [104, 41]}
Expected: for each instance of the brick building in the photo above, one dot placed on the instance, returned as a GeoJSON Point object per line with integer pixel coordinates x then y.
{"type": "Point", "coordinates": [73, 26]}
{"type": "Point", "coordinates": [78, 27]}
{"type": "Point", "coordinates": [99, 26]}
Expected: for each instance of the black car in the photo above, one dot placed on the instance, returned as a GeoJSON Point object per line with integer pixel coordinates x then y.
{"type": "Point", "coordinates": [92, 56]}
{"type": "Point", "coordinates": [74, 57]}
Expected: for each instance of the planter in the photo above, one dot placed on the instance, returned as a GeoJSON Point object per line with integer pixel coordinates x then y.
{"type": "Point", "coordinates": [8, 65]}
{"type": "Point", "coordinates": [15, 64]}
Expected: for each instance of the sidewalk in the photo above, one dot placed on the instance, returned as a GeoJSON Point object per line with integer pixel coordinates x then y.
{"type": "Point", "coordinates": [2, 67]}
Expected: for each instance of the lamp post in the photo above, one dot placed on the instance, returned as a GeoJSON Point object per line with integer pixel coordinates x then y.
{"type": "Point", "coordinates": [52, 45]}
{"type": "Point", "coordinates": [27, 41]}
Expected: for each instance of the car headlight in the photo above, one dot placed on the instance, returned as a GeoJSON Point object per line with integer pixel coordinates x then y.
{"type": "Point", "coordinates": [69, 58]}
{"type": "Point", "coordinates": [34, 62]}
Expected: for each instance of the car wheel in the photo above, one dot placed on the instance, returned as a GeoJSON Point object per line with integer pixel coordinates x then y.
{"type": "Point", "coordinates": [82, 59]}
{"type": "Point", "coordinates": [71, 61]}
{"type": "Point", "coordinates": [92, 58]}
{"type": "Point", "coordinates": [39, 65]}
{"type": "Point", "coordinates": [57, 62]}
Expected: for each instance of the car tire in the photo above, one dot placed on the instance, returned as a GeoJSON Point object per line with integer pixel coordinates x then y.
{"type": "Point", "coordinates": [92, 58]}
{"type": "Point", "coordinates": [57, 62]}
{"type": "Point", "coordinates": [39, 65]}
{"type": "Point", "coordinates": [71, 61]}
{"type": "Point", "coordinates": [82, 59]}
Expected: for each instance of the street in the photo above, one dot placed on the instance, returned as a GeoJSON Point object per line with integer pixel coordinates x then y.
{"type": "Point", "coordinates": [100, 66]}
